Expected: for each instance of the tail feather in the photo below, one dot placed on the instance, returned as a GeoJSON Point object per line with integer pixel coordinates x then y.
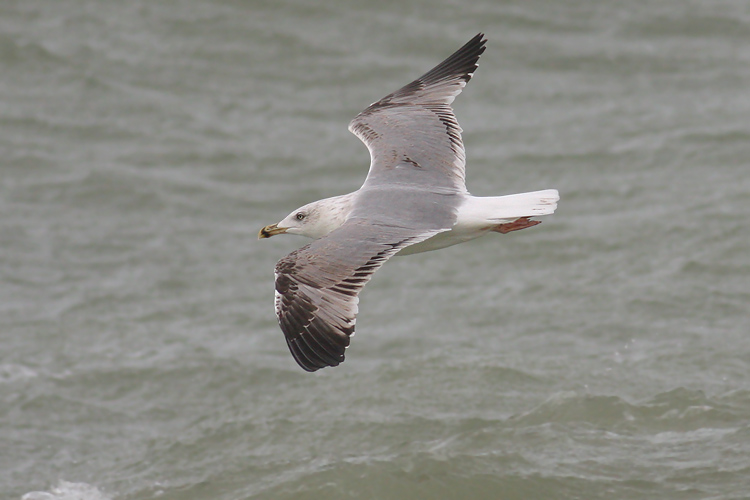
{"type": "Point", "coordinates": [536, 203]}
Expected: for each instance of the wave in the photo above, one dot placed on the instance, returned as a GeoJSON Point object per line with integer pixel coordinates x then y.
{"type": "Point", "coordinates": [65, 490]}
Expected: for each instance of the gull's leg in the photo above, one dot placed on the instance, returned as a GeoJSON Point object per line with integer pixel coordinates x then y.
{"type": "Point", "coordinates": [516, 225]}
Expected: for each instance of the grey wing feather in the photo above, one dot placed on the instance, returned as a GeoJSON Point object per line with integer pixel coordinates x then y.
{"type": "Point", "coordinates": [412, 134]}
{"type": "Point", "coordinates": [317, 287]}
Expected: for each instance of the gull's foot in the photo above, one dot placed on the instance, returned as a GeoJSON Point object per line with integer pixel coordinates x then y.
{"type": "Point", "coordinates": [516, 225]}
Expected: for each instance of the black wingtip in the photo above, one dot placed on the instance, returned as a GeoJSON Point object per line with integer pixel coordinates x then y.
{"type": "Point", "coordinates": [458, 67]}
{"type": "Point", "coordinates": [462, 62]}
{"type": "Point", "coordinates": [311, 355]}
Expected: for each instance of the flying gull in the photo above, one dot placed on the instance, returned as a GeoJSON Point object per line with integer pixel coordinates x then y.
{"type": "Point", "coordinates": [414, 199]}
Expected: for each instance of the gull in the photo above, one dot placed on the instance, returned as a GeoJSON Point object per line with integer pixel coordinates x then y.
{"type": "Point", "coordinates": [413, 200]}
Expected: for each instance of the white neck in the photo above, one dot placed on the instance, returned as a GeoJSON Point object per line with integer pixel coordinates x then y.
{"type": "Point", "coordinates": [332, 213]}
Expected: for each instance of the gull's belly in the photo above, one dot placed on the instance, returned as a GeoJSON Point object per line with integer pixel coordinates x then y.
{"type": "Point", "coordinates": [460, 233]}
{"type": "Point", "coordinates": [445, 239]}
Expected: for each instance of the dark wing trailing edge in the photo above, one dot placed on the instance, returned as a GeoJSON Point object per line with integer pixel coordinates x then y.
{"type": "Point", "coordinates": [317, 287]}
{"type": "Point", "coordinates": [415, 125]}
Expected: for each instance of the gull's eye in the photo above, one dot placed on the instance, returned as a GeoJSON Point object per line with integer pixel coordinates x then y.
{"type": "Point", "coordinates": [300, 216]}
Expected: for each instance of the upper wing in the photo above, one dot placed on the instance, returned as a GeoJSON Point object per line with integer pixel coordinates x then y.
{"type": "Point", "coordinates": [317, 287]}
{"type": "Point", "coordinates": [412, 134]}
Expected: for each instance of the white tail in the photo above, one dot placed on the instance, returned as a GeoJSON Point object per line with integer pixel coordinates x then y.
{"type": "Point", "coordinates": [513, 206]}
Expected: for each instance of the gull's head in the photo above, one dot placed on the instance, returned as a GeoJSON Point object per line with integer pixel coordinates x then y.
{"type": "Point", "coordinates": [313, 220]}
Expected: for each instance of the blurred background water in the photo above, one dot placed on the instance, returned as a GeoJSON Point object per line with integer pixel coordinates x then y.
{"type": "Point", "coordinates": [603, 354]}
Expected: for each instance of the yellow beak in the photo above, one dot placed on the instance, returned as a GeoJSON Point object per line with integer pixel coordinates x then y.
{"type": "Point", "coordinates": [271, 230]}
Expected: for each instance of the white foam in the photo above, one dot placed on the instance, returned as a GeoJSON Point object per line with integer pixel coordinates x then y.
{"type": "Point", "coordinates": [68, 491]}
{"type": "Point", "coordinates": [11, 373]}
